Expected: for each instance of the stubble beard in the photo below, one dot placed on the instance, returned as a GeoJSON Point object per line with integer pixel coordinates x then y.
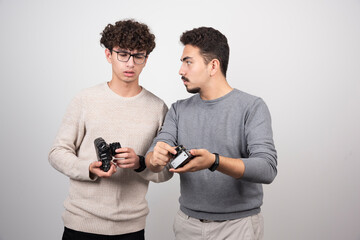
{"type": "Point", "coordinates": [193, 90]}
{"type": "Point", "coordinates": [190, 90]}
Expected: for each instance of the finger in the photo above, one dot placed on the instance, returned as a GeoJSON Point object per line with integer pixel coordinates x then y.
{"type": "Point", "coordinates": [109, 173]}
{"type": "Point", "coordinates": [167, 147]}
{"type": "Point", "coordinates": [125, 161]}
{"type": "Point", "coordinates": [189, 167]}
{"type": "Point", "coordinates": [185, 168]}
{"type": "Point", "coordinates": [160, 151]}
{"type": "Point", "coordinates": [160, 157]}
{"type": "Point", "coordinates": [157, 162]}
{"type": "Point", "coordinates": [96, 164]}
{"type": "Point", "coordinates": [127, 165]}
{"type": "Point", "coordinates": [112, 169]}
{"type": "Point", "coordinates": [171, 149]}
{"type": "Point", "coordinates": [196, 152]}
{"type": "Point", "coordinates": [178, 170]}
{"type": "Point", "coordinates": [99, 172]}
{"type": "Point", "coordinates": [122, 155]}
{"type": "Point", "coordinates": [122, 150]}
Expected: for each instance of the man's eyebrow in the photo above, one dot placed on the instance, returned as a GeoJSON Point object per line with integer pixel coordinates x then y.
{"type": "Point", "coordinates": [121, 51]}
{"type": "Point", "coordinates": [124, 51]}
{"type": "Point", "coordinates": [185, 58]}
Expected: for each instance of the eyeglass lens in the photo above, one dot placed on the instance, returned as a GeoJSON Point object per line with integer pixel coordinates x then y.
{"type": "Point", "coordinates": [125, 56]}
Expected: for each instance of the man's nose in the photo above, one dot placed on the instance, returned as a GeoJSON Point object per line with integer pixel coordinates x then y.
{"type": "Point", "coordinates": [130, 62]}
{"type": "Point", "coordinates": [181, 70]}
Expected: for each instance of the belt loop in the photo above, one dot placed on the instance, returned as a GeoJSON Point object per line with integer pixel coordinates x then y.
{"type": "Point", "coordinates": [184, 214]}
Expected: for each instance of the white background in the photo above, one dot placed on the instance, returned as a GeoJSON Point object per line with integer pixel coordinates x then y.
{"type": "Point", "coordinates": [302, 57]}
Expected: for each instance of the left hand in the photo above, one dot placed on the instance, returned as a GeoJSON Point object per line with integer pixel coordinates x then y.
{"type": "Point", "coordinates": [126, 158]}
{"type": "Point", "coordinates": [203, 159]}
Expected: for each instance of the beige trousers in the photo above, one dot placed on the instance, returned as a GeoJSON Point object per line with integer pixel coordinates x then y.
{"type": "Point", "coordinates": [248, 228]}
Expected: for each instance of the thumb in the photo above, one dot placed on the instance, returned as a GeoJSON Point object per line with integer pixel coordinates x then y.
{"type": "Point", "coordinates": [97, 164]}
{"type": "Point", "coordinates": [195, 152]}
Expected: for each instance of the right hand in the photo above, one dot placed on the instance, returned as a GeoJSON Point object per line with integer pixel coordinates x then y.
{"type": "Point", "coordinates": [162, 154]}
{"type": "Point", "coordinates": [94, 168]}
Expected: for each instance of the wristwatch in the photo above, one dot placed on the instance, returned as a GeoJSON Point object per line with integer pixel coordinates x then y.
{"type": "Point", "coordinates": [215, 164]}
{"type": "Point", "coordinates": [142, 164]}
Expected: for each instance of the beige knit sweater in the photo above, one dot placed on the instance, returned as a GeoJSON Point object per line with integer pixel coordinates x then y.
{"type": "Point", "coordinates": [114, 205]}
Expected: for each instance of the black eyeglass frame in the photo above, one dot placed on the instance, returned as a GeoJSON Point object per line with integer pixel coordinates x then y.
{"type": "Point", "coordinates": [130, 55]}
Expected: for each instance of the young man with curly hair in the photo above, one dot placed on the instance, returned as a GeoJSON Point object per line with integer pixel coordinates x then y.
{"type": "Point", "coordinates": [111, 204]}
{"type": "Point", "coordinates": [228, 132]}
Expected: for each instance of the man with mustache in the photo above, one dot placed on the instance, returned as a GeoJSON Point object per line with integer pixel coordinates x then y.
{"type": "Point", "coordinates": [229, 135]}
{"type": "Point", "coordinates": [111, 204]}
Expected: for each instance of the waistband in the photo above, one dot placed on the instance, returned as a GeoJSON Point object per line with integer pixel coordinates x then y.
{"type": "Point", "coordinates": [182, 214]}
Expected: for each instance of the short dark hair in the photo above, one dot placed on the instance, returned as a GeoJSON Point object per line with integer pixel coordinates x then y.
{"type": "Point", "coordinates": [212, 44]}
{"type": "Point", "coordinates": [128, 34]}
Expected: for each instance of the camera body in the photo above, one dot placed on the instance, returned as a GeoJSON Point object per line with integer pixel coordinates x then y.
{"type": "Point", "coordinates": [181, 158]}
{"type": "Point", "coordinates": [105, 152]}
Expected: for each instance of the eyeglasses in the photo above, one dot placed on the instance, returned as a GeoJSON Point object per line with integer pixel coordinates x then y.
{"type": "Point", "coordinates": [122, 56]}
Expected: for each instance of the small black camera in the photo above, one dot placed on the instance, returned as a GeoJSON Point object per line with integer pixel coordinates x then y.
{"type": "Point", "coordinates": [105, 152]}
{"type": "Point", "coordinates": [181, 157]}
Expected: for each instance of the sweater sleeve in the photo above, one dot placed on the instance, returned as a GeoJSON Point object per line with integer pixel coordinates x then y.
{"type": "Point", "coordinates": [63, 154]}
{"type": "Point", "coordinates": [168, 132]}
{"type": "Point", "coordinates": [261, 164]}
{"type": "Point", "coordinates": [164, 175]}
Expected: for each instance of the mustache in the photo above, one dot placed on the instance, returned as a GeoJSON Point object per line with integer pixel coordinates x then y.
{"type": "Point", "coordinates": [185, 79]}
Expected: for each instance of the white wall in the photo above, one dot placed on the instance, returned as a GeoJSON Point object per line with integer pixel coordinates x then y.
{"type": "Point", "coordinates": [302, 57]}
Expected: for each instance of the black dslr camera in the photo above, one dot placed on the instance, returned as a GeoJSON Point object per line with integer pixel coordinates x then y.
{"type": "Point", "coordinates": [105, 152]}
{"type": "Point", "coordinates": [181, 157]}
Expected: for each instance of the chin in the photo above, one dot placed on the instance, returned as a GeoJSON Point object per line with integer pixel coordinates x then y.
{"type": "Point", "coordinates": [193, 90]}
{"type": "Point", "coordinates": [129, 80]}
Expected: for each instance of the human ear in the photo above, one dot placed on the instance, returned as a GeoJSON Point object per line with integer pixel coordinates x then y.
{"type": "Point", "coordinates": [146, 60]}
{"type": "Point", "coordinates": [108, 55]}
{"type": "Point", "coordinates": [214, 66]}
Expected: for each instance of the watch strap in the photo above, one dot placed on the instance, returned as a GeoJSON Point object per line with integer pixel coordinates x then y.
{"type": "Point", "coordinates": [142, 164]}
{"type": "Point", "coordinates": [216, 163]}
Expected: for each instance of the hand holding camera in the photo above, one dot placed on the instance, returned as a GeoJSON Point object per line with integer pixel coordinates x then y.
{"type": "Point", "coordinates": [94, 169]}
{"type": "Point", "coordinates": [104, 152]}
{"type": "Point", "coordinates": [182, 157]}
{"type": "Point", "coordinates": [161, 155]}
{"type": "Point", "coordinates": [126, 158]}
{"type": "Point", "coordinates": [200, 159]}
{"type": "Point", "coordinates": [181, 160]}
{"type": "Point", "coordinates": [164, 153]}
{"type": "Point", "coordinates": [112, 155]}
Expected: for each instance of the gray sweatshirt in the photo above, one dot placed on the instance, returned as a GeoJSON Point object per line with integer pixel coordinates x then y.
{"type": "Point", "coordinates": [237, 125]}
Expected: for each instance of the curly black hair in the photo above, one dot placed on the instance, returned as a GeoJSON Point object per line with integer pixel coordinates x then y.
{"type": "Point", "coordinates": [128, 34]}
{"type": "Point", "coordinates": [212, 44]}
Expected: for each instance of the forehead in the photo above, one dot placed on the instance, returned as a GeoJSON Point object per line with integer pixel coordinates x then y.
{"type": "Point", "coordinates": [128, 50]}
{"type": "Point", "coordinates": [191, 51]}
